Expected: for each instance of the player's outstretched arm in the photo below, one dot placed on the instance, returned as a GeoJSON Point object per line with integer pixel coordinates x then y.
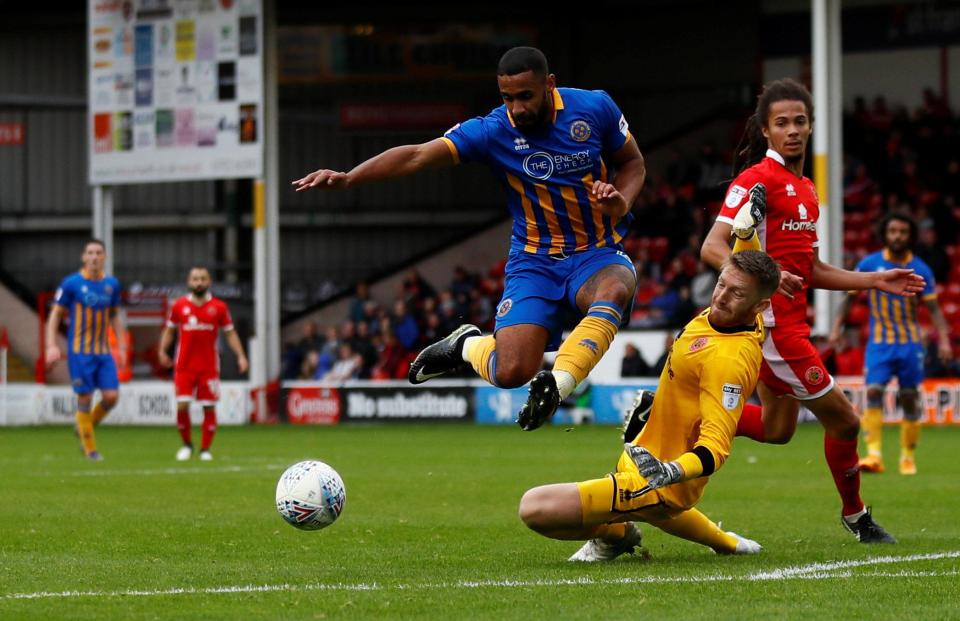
{"type": "Point", "coordinates": [396, 162]}
{"type": "Point", "coordinates": [897, 281]}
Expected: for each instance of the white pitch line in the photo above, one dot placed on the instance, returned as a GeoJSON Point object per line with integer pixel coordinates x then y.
{"type": "Point", "coordinates": [789, 572]}
{"type": "Point", "coordinates": [814, 571]}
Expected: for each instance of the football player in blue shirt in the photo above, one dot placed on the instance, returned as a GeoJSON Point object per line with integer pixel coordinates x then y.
{"type": "Point", "coordinates": [894, 346]}
{"type": "Point", "coordinates": [553, 150]}
{"type": "Point", "coordinates": [91, 299]}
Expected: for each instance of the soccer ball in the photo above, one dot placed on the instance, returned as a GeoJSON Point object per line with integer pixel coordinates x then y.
{"type": "Point", "coordinates": [310, 495]}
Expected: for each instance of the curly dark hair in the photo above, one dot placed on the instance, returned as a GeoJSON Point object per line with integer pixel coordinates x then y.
{"type": "Point", "coordinates": [753, 144]}
{"type": "Point", "coordinates": [901, 216]}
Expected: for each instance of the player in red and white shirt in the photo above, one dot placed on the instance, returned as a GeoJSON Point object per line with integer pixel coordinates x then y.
{"type": "Point", "coordinates": [776, 140]}
{"type": "Point", "coordinates": [200, 318]}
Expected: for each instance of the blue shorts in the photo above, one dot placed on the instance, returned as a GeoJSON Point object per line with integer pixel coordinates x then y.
{"type": "Point", "coordinates": [882, 362]}
{"type": "Point", "coordinates": [91, 371]}
{"type": "Point", "coordinates": [538, 288]}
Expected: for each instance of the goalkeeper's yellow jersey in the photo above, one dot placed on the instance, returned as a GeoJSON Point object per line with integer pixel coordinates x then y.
{"type": "Point", "coordinates": [709, 374]}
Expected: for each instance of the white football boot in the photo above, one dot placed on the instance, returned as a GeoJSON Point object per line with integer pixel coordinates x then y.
{"type": "Point", "coordinates": [596, 550]}
{"type": "Point", "coordinates": [744, 545]}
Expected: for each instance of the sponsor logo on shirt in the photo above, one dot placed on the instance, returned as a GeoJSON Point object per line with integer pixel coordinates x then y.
{"type": "Point", "coordinates": [542, 165]}
{"type": "Point", "coordinates": [790, 190]}
{"type": "Point", "coordinates": [623, 126]}
{"type": "Point", "coordinates": [520, 144]}
{"type": "Point", "coordinates": [504, 308]}
{"type": "Point", "coordinates": [735, 195]}
{"type": "Point", "coordinates": [799, 225]}
{"type": "Point", "coordinates": [731, 395]}
{"type": "Point", "coordinates": [193, 325]}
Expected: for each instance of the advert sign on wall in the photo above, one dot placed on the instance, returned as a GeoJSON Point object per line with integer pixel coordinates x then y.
{"type": "Point", "coordinates": [175, 90]}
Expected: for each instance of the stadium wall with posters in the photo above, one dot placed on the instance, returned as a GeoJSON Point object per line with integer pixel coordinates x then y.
{"type": "Point", "coordinates": [314, 403]}
{"type": "Point", "coordinates": [305, 403]}
{"type": "Point", "coordinates": [141, 403]}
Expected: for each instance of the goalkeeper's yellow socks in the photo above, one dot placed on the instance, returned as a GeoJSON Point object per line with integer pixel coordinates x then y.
{"type": "Point", "coordinates": [99, 413]}
{"type": "Point", "coordinates": [85, 430]}
{"type": "Point", "coordinates": [693, 525]}
{"type": "Point", "coordinates": [589, 341]}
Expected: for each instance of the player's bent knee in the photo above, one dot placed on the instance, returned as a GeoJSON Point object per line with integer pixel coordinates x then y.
{"type": "Point", "coordinates": [514, 374]}
{"type": "Point", "coordinates": [109, 399]}
{"type": "Point", "coordinates": [874, 396]}
{"type": "Point", "coordinates": [531, 509]}
{"type": "Point", "coordinates": [909, 400]}
{"type": "Point", "coordinates": [778, 436]}
{"type": "Point", "coordinates": [542, 511]}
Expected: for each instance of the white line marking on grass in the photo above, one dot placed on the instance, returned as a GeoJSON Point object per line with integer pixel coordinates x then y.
{"type": "Point", "coordinates": [789, 572]}
{"type": "Point", "coordinates": [176, 470]}
{"type": "Point", "coordinates": [814, 571]}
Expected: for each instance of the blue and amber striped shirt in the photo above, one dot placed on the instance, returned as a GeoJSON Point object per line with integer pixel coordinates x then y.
{"type": "Point", "coordinates": [893, 318]}
{"type": "Point", "coordinates": [547, 174]}
{"type": "Point", "coordinates": [89, 305]}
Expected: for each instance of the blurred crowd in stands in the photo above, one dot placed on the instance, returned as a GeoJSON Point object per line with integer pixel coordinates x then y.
{"type": "Point", "coordinates": [894, 159]}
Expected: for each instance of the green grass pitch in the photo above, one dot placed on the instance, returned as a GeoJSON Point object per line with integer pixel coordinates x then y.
{"type": "Point", "coordinates": [430, 531]}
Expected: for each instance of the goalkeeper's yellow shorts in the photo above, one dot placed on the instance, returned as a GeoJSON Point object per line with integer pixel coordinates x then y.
{"type": "Point", "coordinates": [617, 497]}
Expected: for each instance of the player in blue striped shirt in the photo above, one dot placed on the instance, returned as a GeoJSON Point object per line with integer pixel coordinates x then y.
{"type": "Point", "coordinates": [91, 301]}
{"type": "Point", "coordinates": [553, 151]}
{"type": "Point", "coordinates": [894, 345]}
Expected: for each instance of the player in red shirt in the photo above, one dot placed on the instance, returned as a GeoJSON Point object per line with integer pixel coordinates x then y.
{"type": "Point", "coordinates": [200, 318]}
{"type": "Point", "coordinates": [776, 140]}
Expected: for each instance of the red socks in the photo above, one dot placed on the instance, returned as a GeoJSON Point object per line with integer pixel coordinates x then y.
{"type": "Point", "coordinates": [750, 424]}
{"type": "Point", "coordinates": [183, 426]}
{"type": "Point", "coordinates": [210, 428]}
{"type": "Point", "coordinates": [842, 459]}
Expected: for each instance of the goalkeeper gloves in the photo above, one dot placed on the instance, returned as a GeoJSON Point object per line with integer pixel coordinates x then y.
{"type": "Point", "coordinates": [657, 473]}
{"type": "Point", "coordinates": [751, 213]}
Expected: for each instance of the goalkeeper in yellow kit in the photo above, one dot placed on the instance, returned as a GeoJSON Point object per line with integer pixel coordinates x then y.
{"type": "Point", "coordinates": [712, 367]}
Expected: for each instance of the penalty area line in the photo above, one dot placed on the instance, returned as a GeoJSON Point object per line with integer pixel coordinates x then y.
{"type": "Point", "coordinates": [814, 571]}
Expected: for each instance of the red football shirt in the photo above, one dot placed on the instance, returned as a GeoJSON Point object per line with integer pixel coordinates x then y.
{"type": "Point", "coordinates": [789, 232]}
{"type": "Point", "coordinates": [200, 326]}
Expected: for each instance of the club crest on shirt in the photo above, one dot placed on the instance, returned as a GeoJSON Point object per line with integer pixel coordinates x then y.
{"type": "Point", "coordinates": [504, 308]}
{"type": "Point", "coordinates": [814, 376]}
{"type": "Point", "coordinates": [735, 195]}
{"type": "Point", "coordinates": [699, 343]}
{"type": "Point", "coordinates": [580, 131]}
{"type": "Point", "coordinates": [731, 395]}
